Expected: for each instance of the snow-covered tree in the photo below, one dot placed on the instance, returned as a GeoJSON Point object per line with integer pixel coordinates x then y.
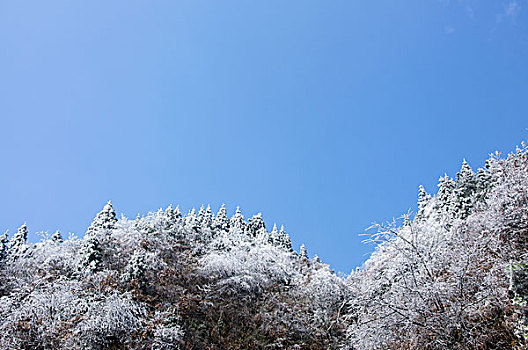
{"type": "Point", "coordinates": [274, 237]}
{"type": "Point", "coordinates": [424, 199]}
{"type": "Point", "coordinates": [56, 237]}
{"type": "Point", "coordinates": [17, 246]}
{"type": "Point", "coordinates": [104, 221]}
{"type": "Point", "coordinates": [466, 184]}
{"type": "Point", "coordinates": [221, 221]}
{"type": "Point", "coordinates": [207, 219]}
{"type": "Point", "coordinates": [285, 240]}
{"type": "Point", "coordinates": [135, 269]}
{"type": "Point", "coordinates": [445, 197]}
{"type": "Point", "coordinates": [237, 221]}
{"type": "Point", "coordinates": [90, 255]}
{"type": "Point", "coordinates": [303, 253]}
{"type": "Point", "coordinates": [256, 224]}
{"type": "Point", "coordinates": [3, 247]}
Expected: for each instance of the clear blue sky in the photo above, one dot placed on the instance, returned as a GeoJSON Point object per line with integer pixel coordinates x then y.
{"type": "Point", "coordinates": [323, 115]}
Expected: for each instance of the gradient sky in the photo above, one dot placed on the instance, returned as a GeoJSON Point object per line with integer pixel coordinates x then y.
{"type": "Point", "coordinates": [323, 115]}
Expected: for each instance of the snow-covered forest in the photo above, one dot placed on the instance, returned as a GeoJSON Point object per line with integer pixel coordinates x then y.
{"type": "Point", "coordinates": [454, 275]}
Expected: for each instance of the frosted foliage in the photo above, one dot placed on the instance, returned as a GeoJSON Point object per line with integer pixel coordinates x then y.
{"type": "Point", "coordinates": [444, 277]}
{"type": "Point", "coordinates": [3, 247]}
{"type": "Point", "coordinates": [303, 253]}
{"type": "Point", "coordinates": [104, 220]}
{"type": "Point", "coordinates": [17, 246]}
{"type": "Point", "coordinates": [452, 277]}
{"type": "Point", "coordinates": [248, 268]}
{"type": "Point", "coordinates": [221, 221]}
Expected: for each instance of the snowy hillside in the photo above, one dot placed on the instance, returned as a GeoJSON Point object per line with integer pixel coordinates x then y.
{"type": "Point", "coordinates": [453, 276]}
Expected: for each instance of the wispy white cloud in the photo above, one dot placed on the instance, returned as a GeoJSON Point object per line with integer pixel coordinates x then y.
{"type": "Point", "coordinates": [511, 11]}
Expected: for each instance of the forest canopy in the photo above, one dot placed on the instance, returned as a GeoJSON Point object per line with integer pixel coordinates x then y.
{"type": "Point", "coordinates": [454, 275]}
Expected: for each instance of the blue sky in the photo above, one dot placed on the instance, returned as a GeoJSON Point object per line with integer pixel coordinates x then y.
{"type": "Point", "coordinates": [323, 115]}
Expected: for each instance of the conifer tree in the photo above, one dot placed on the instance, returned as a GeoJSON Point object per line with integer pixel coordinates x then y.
{"type": "Point", "coordinates": [237, 220]}
{"type": "Point", "coordinates": [18, 243]}
{"type": "Point", "coordinates": [91, 251]}
{"type": "Point", "coordinates": [285, 240]}
{"type": "Point", "coordinates": [485, 179]}
{"type": "Point", "coordinates": [274, 237]}
{"type": "Point", "coordinates": [446, 186]}
{"type": "Point", "coordinates": [303, 253]}
{"type": "Point", "coordinates": [135, 269]}
{"type": "Point", "coordinates": [221, 221]}
{"type": "Point", "coordinates": [201, 214]}
{"type": "Point", "coordinates": [423, 200]}
{"type": "Point", "coordinates": [466, 184]}
{"type": "Point", "coordinates": [91, 255]}
{"type": "Point", "coordinates": [56, 237]}
{"type": "Point", "coordinates": [207, 219]}
{"type": "Point", "coordinates": [177, 213]}
{"type": "Point", "coordinates": [191, 218]}
{"type": "Point", "coordinates": [171, 219]}
{"type": "Point", "coordinates": [256, 223]}
{"type": "Point", "coordinates": [104, 221]}
{"type": "Point", "coordinates": [3, 247]}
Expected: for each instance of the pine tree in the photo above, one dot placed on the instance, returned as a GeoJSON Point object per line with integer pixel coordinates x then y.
{"type": "Point", "coordinates": [221, 221]}
{"type": "Point", "coordinates": [285, 240]}
{"type": "Point", "coordinates": [201, 214]}
{"type": "Point", "coordinates": [446, 186]}
{"type": "Point", "coordinates": [466, 184]}
{"type": "Point", "coordinates": [256, 223]}
{"type": "Point", "coordinates": [177, 213]}
{"type": "Point", "coordinates": [170, 219]}
{"type": "Point", "coordinates": [207, 220]}
{"type": "Point", "coordinates": [91, 251]}
{"type": "Point", "coordinates": [135, 269]}
{"type": "Point", "coordinates": [3, 247]}
{"type": "Point", "coordinates": [191, 220]}
{"type": "Point", "coordinates": [303, 253]}
{"type": "Point", "coordinates": [17, 246]}
{"type": "Point", "coordinates": [274, 237]}
{"type": "Point", "coordinates": [104, 221]}
{"type": "Point", "coordinates": [56, 237]}
{"type": "Point", "coordinates": [423, 200]}
{"type": "Point", "coordinates": [91, 255]}
{"type": "Point", "coordinates": [237, 220]}
{"type": "Point", "coordinates": [486, 179]}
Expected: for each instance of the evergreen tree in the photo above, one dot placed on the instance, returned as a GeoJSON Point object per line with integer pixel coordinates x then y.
{"type": "Point", "coordinates": [18, 243]}
{"type": "Point", "coordinates": [177, 213]}
{"type": "Point", "coordinates": [56, 237]}
{"type": "Point", "coordinates": [171, 219]}
{"type": "Point", "coordinates": [221, 221]}
{"type": "Point", "coordinates": [446, 186]}
{"type": "Point", "coordinates": [237, 220]}
{"type": "Point", "coordinates": [201, 214]}
{"type": "Point", "coordinates": [274, 237]}
{"type": "Point", "coordinates": [91, 255]}
{"type": "Point", "coordinates": [466, 184]}
{"type": "Point", "coordinates": [486, 179]}
{"type": "Point", "coordinates": [303, 253]}
{"type": "Point", "coordinates": [207, 220]}
{"type": "Point", "coordinates": [91, 251]}
{"type": "Point", "coordinates": [285, 240]}
{"type": "Point", "coordinates": [3, 247]}
{"type": "Point", "coordinates": [135, 269]}
{"type": "Point", "coordinates": [423, 200]}
{"type": "Point", "coordinates": [256, 223]}
{"type": "Point", "coordinates": [104, 221]}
